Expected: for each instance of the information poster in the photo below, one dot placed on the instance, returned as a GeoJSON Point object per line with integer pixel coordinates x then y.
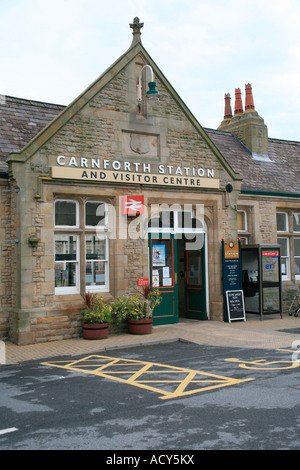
{"type": "Point", "coordinates": [270, 260]}
{"type": "Point", "coordinates": [159, 255]}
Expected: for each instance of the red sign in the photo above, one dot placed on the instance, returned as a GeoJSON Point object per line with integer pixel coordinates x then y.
{"type": "Point", "coordinates": [272, 254]}
{"type": "Point", "coordinates": [143, 282]}
{"type": "Point", "coordinates": [132, 205]}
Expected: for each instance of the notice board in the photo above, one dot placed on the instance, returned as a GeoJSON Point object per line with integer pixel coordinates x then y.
{"type": "Point", "coordinates": [232, 273]}
{"type": "Point", "coordinates": [235, 305]}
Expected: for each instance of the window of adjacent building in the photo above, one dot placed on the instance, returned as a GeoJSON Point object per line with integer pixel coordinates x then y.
{"type": "Point", "coordinates": [297, 257]}
{"type": "Point", "coordinates": [242, 226]}
{"type": "Point", "coordinates": [296, 221]}
{"type": "Point", "coordinates": [285, 258]}
{"type": "Point", "coordinates": [282, 222]}
{"type": "Point", "coordinates": [78, 239]}
{"type": "Point", "coordinates": [242, 221]}
{"type": "Point", "coordinates": [288, 229]}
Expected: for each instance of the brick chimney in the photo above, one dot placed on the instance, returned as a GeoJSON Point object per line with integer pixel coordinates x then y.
{"type": "Point", "coordinates": [247, 126]}
{"type": "Point", "coordinates": [238, 107]}
{"type": "Point", "coordinates": [249, 103]}
{"type": "Point", "coordinates": [228, 111]}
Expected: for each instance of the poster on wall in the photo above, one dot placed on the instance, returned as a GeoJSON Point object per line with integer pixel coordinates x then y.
{"type": "Point", "coordinates": [158, 255]}
{"type": "Point", "coordinates": [270, 260]}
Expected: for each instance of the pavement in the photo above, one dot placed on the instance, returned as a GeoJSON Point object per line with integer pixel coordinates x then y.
{"type": "Point", "coordinates": [272, 332]}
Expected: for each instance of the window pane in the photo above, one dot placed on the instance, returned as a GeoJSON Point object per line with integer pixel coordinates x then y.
{"type": "Point", "coordinates": [296, 219]}
{"type": "Point", "coordinates": [65, 213]}
{"type": "Point", "coordinates": [188, 222]}
{"type": "Point", "coordinates": [165, 220]}
{"type": "Point", "coordinates": [95, 214]}
{"type": "Point", "coordinates": [65, 248]}
{"type": "Point", "coordinates": [162, 263]}
{"type": "Point", "coordinates": [95, 273]}
{"type": "Point", "coordinates": [283, 245]}
{"type": "Point", "coordinates": [281, 222]}
{"type": "Point", "coordinates": [297, 246]}
{"type": "Point", "coordinates": [95, 248]}
{"type": "Point", "coordinates": [241, 221]}
{"type": "Point", "coordinates": [65, 274]}
{"type": "Point", "coordinates": [297, 267]}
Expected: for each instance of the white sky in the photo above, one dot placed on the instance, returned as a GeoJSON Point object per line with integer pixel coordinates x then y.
{"type": "Point", "coordinates": [53, 50]}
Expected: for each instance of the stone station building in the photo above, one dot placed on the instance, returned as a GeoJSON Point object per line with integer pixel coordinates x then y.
{"type": "Point", "coordinates": [117, 185]}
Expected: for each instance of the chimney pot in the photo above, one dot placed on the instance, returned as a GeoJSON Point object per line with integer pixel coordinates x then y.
{"type": "Point", "coordinates": [228, 111]}
{"type": "Point", "coordinates": [238, 108]}
{"type": "Point", "coordinates": [249, 103]}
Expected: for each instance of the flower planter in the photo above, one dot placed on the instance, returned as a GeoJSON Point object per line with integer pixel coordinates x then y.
{"type": "Point", "coordinates": [95, 331]}
{"type": "Point", "coordinates": [140, 327]}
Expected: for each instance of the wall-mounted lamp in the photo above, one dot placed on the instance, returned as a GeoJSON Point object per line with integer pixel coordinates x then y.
{"type": "Point", "coordinates": [152, 93]}
{"type": "Point", "coordinates": [33, 240]}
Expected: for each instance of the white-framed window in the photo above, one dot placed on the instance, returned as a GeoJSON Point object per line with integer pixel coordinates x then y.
{"type": "Point", "coordinates": [288, 230]}
{"type": "Point", "coordinates": [96, 214]}
{"type": "Point", "coordinates": [96, 263]}
{"type": "Point", "coordinates": [242, 221]}
{"type": "Point", "coordinates": [66, 264]}
{"type": "Point", "coordinates": [80, 239]}
{"type": "Point", "coordinates": [296, 222]}
{"type": "Point", "coordinates": [177, 221]}
{"type": "Point", "coordinates": [285, 257]}
{"type": "Point", "coordinates": [66, 213]}
{"type": "Point", "coordinates": [282, 222]}
{"type": "Point", "coordinates": [243, 226]}
{"type": "Point", "coordinates": [297, 257]}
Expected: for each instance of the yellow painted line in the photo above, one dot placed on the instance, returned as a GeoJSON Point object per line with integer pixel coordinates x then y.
{"type": "Point", "coordinates": [145, 375]}
{"type": "Point", "coordinates": [262, 364]}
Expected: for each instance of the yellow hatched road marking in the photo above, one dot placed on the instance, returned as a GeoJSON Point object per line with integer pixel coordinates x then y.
{"type": "Point", "coordinates": [262, 364]}
{"type": "Point", "coordinates": [145, 375]}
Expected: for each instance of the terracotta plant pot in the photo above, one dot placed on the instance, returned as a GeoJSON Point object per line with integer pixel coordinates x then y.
{"type": "Point", "coordinates": [95, 331]}
{"type": "Point", "coordinates": [140, 327]}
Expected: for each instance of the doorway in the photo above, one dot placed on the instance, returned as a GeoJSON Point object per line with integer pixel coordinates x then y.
{"type": "Point", "coordinates": [191, 277]}
{"type": "Point", "coordinates": [177, 270]}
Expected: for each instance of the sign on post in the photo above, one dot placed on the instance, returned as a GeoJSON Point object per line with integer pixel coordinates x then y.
{"type": "Point", "coordinates": [232, 278]}
{"type": "Point", "coordinates": [235, 305]}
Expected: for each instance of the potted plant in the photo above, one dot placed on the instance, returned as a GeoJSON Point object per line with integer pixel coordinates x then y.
{"type": "Point", "coordinates": [96, 316]}
{"type": "Point", "coordinates": [139, 316]}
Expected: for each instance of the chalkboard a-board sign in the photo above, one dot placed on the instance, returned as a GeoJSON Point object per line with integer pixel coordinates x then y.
{"type": "Point", "coordinates": [235, 305]}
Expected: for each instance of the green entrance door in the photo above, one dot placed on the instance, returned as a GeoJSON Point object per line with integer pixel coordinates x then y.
{"type": "Point", "coordinates": [195, 279]}
{"type": "Point", "coordinates": [163, 276]}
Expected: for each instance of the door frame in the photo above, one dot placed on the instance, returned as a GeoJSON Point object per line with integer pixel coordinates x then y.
{"type": "Point", "coordinates": [165, 291]}
{"type": "Point", "coordinates": [176, 233]}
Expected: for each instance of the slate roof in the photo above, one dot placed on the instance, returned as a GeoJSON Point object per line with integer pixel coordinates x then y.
{"type": "Point", "coordinates": [281, 174]}
{"type": "Point", "coordinates": [21, 120]}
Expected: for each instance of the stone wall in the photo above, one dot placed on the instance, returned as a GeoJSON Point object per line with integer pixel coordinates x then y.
{"type": "Point", "coordinates": [8, 265]}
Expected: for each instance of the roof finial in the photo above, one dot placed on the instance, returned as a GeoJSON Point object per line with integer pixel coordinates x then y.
{"type": "Point", "coordinates": [238, 107]}
{"type": "Point", "coordinates": [249, 103]}
{"type": "Point", "coordinates": [136, 26]}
